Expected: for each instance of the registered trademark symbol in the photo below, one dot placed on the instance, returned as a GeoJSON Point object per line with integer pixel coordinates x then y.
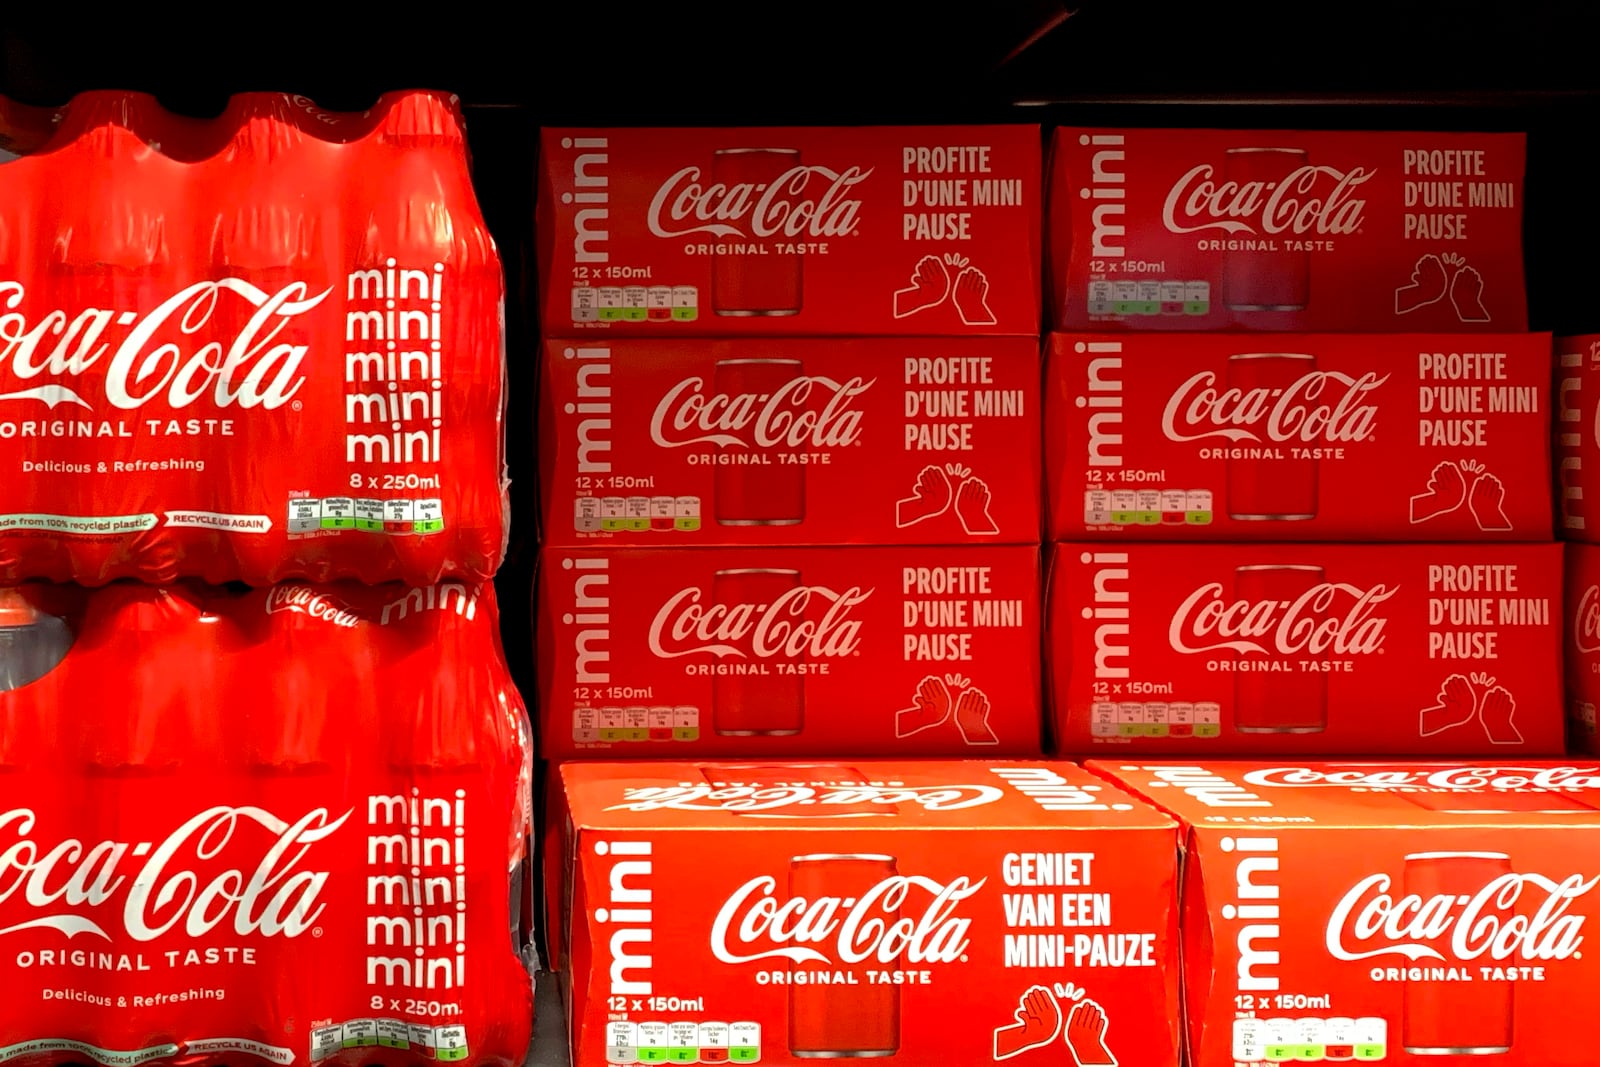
{"type": "Point", "coordinates": [316, 931]}
{"type": "Point", "coordinates": [297, 405]}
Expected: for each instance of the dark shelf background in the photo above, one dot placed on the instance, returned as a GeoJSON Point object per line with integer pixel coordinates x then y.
{"type": "Point", "coordinates": [828, 60]}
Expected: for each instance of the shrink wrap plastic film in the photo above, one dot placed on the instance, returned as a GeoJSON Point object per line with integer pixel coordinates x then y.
{"type": "Point", "coordinates": [261, 347]}
{"type": "Point", "coordinates": [289, 825]}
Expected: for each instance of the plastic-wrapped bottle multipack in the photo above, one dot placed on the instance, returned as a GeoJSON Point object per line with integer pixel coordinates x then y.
{"type": "Point", "coordinates": [260, 347]}
{"type": "Point", "coordinates": [287, 825]}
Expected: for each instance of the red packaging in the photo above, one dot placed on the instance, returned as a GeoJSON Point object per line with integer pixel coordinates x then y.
{"type": "Point", "coordinates": [288, 825]}
{"type": "Point", "coordinates": [921, 230]}
{"type": "Point", "coordinates": [263, 347]}
{"type": "Point", "coordinates": [785, 652]}
{"type": "Point", "coordinates": [1411, 913]}
{"type": "Point", "coordinates": [1286, 231]}
{"type": "Point", "coordinates": [674, 442]}
{"type": "Point", "coordinates": [917, 912]}
{"type": "Point", "coordinates": [1298, 437]}
{"type": "Point", "coordinates": [1370, 649]}
{"type": "Point", "coordinates": [1577, 435]}
{"type": "Point", "coordinates": [1583, 645]}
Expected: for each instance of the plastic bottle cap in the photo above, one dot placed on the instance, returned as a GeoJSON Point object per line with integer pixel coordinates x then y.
{"type": "Point", "coordinates": [15, 610]}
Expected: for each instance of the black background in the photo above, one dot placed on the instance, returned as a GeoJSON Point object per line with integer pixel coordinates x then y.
{"type": "Point", "coordinates": [822, 61]}
{"type": "Point", "coordinates": [619, 63]}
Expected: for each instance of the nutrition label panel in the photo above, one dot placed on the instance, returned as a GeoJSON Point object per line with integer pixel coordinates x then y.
{"type": "Point", "coordinates": [1310, 1040]}
{"type": "Point", "coordinates": [614, 724]}
{"type": "Point", "coordinates": [313, 514]}
{"type": "Point", "coordinates": [1147, 507]}
{"type": "Point", "coordinates": [635, 303]}
{"type": "Point", "coordinates": [444, 1043]}
{"type": "Point", "coordinates": [1156, 719]}
{"type": "Point", "coordinates": [1152, 297]}
{"type": "Point", "coordinates": [613, 514]}
{"type": "Point", "coordinates": [683, 1042]}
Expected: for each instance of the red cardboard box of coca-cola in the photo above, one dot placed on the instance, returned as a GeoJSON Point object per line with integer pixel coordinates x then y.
{"type": "Point", "coordinates": [903, 230]}
{"type": "Point", "coordinates": [924, 912]}
{"type": "Point", "coordinates": [1583, 645]}
{"type": "Point", "coordinates": [1301, 437]}
{"type": "Point", "coordinates": [1286, 230]}
{"type": "Point", "coordinates": [1413, 913]}
{"type": "Point", "coordinates": [671, 442]}
{"type": "Point", "coordinates": [785, 652]}
{"type": "Point", "coordinates": [1392, 649]}
{"type": "Point", "coordinates": [1577, 436]}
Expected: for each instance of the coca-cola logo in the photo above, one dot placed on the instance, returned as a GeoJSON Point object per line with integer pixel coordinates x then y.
{"type": "Point", "coordinates": [878, 924]}
{"type": "Point", "coordinates": [802, 202]}
{"type": "Point", "coordinates": [306, 104]}
{"type": "Point", "coordinates": [250, 369]}
{"type": "Point", "coordinates": [1494, 922]}
{"type": "Point", "coordinates": [1586, 621]}
{"type": "Point", "coordinates": [1329, 617]}
{"type": "Point", "coordinates": [186, 882]}
{"type": "Point", "coordinates": [783, 629]}
{"type": "Point", "coordinates": [306, 601]}
{"type": "Point", "coordinates": [1319, 407]}
{"type": "Point", "coordinates": [1310, 199]}
{"type": "Point", "coordinates": [803, 413]}
{"type": "Point", "coordinates": [1577, 383]}
{"type": "Point", "coordinates": [818, 801]}
{"type": "Point", "coordinates": [1473, 779]}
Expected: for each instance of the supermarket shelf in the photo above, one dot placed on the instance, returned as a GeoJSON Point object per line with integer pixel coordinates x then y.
{"type": "Point", "coordinates": [549, 1026]}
